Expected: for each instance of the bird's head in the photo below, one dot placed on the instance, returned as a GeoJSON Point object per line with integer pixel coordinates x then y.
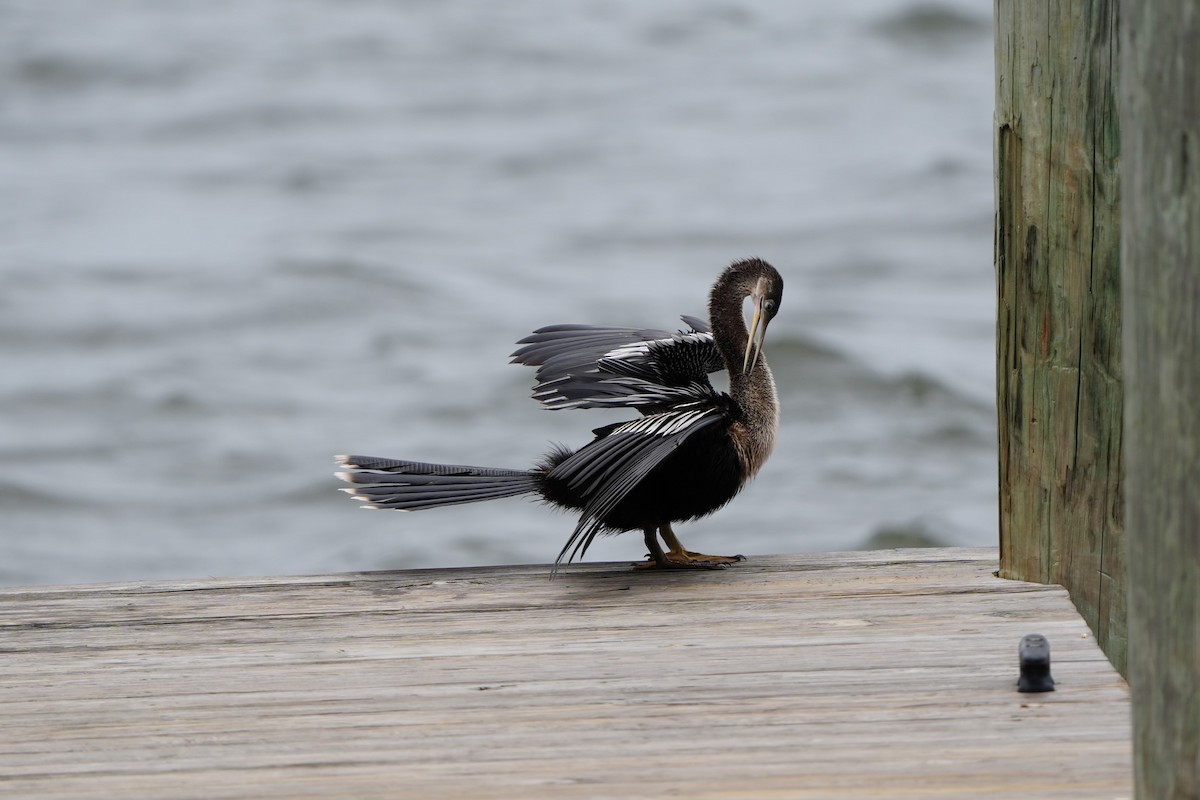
{"type": "Point", "coordinates": [764, 286]}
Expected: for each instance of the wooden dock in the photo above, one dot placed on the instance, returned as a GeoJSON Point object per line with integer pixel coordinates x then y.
{"type": "Point", "coordinates": [886, 674]}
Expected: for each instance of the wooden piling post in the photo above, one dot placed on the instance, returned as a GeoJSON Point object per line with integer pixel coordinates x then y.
{"type": "Point", "coordinates": [1160, 114]}
{"type": "Point", "coordinates": [1059, 388]}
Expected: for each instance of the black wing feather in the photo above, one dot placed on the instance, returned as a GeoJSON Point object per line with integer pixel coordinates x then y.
{"type": "Point", "coordinates": [607, 470]}
{"type": "Point", "coordinates": [584, 366]}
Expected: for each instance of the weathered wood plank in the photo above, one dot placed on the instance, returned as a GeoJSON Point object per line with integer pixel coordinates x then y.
{"type": "Point", "coordinates": [1058, 328]}
{"type": "Point", "coordinates": [883, 674]}
{"type": "Point", "coordinates": [1160, 112]}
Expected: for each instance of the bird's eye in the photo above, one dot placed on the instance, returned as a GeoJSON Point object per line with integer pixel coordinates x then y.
{"type": "Point", "coordinates": [769, 306]}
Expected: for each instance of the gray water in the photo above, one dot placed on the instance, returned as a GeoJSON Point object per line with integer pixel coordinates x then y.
{"type": "Point", "coordinates": [239, 237]}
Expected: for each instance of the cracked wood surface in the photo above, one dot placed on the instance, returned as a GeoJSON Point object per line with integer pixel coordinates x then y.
{"type": "Point", "coordinates": [875, 675]}
{"type": "Point", "coordinates": [1160, 115]}
{"type": "Point", "coordinates": [1058, 326]}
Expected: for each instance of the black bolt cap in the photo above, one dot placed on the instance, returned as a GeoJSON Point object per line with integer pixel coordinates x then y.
{"type": "Point", "coordinates": [1034, 653]}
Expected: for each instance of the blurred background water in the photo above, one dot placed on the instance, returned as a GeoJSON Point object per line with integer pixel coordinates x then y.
{"type": "Point", "coordinates": [238, 237]}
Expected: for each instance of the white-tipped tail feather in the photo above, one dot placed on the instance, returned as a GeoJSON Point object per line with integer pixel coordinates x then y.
{"type": "Point", "coordinates": [417, 485]}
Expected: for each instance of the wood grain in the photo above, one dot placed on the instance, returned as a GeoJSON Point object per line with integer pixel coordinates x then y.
{"type": "Point", "coordinates": [875, 675]}
{"type": "Point", "coordinates": [1058, 327]}
{"type": "Point", "coordinates": [1160, 112]}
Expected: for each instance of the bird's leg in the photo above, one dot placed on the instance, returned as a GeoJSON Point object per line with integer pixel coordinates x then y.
{"type": "Point", "coordinates": [676, 556]}
{"type": "Point", "coordinates": [655, 557]}
{"type": "Point", "coordinates": [681, 557]}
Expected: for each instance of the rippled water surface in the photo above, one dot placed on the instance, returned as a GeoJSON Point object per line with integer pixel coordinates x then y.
{"type": "Point", "coordinates": [236, 238]}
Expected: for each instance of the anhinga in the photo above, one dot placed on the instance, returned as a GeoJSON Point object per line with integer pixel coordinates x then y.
{"type": "Point", "coordinates": [689, 453]}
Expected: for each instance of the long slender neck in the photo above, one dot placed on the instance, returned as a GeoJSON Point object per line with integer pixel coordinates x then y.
{"type": "Point", "coordinates": [753, 391]}
{"type": "Point", "coordinates": [730, 336]}
{"type": "Point", "coordinates": [729, 330]}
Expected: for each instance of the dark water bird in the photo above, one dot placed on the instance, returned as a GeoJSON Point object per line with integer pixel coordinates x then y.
{"type": "Point", "coordinates": [691, 450]}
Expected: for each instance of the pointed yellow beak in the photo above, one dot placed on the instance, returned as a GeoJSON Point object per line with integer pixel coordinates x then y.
{"type": "Point", "coordinates": [758, 331]}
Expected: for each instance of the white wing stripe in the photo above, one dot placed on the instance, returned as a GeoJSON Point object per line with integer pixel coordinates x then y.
{"type": "Point", "coordinates": [631, 350]}
{"type": "Point", "coordinates": [666, 424]}
{"type": "Point", "coordinates": [635, 349]}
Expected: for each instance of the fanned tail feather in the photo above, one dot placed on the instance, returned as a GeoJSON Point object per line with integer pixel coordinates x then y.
{"type": "Point", "coordinates": [416, 485]}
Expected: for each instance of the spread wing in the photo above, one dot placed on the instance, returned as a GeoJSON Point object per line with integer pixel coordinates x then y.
{"type": "Point", "coordinates": [586, 366]}
{"type": "Point", "coordinates": [607, 470]}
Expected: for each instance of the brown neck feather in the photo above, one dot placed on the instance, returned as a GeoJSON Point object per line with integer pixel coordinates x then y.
{"type": "Point", "coordinates": [729, 326]}
{"type": "Point", "coordinates": [754, 392]}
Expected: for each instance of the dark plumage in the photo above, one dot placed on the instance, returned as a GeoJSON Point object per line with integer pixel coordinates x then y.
{"type": "Point", "coordinates": [691, 450]}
